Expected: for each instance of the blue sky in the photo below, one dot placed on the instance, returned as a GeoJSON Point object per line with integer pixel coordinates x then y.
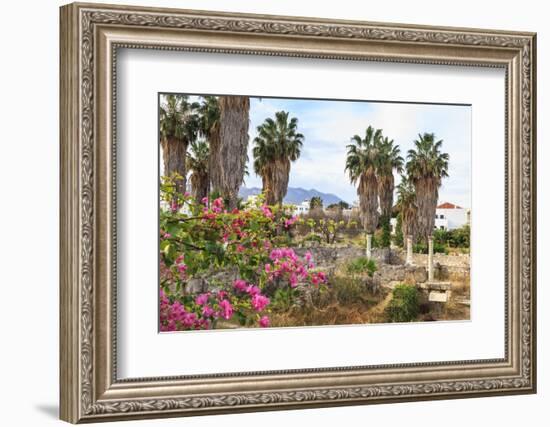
{"type": "Point", "coordinates": [329, 125]}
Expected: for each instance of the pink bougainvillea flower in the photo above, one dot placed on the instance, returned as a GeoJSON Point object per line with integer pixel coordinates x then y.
{"type": "Point", "coordinates": [218, 202]}
{"type": "Point", "coordinates": [266, 211]}
{"type": "Point", "coordinates": [201, 299]}
{"type": "Point", "coordinates": [217, 205]}
{"type": "Point", "coordinates": [226, 309]}
{"type": "Point", "coordinates": [253, 290]}
{"type": "Point", "coordinates": [204, 201]}
{"type": "Point", "coordinates": [290, 221]}
{"type": "Point", "coordinates": [308, 257]}
{"type": "Point", "coordinates": [240, 248]}
{"type": "Point", "coordinates": [207, 311]}
{"type": "Point", "coordinates": [267, 268]}
{"type": "Point", "coordinates": [240, 285]}
{"type": "Point", "coordinates": [259, 302]}
{"type": "Point", "coordinates": [189, 319]}
{"type": "Point", "coordinates": [264, 321]}
{"type": "Point", "coordinates": [182, 268]}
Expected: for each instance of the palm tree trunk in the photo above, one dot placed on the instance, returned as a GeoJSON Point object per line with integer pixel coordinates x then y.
{"type": "Point", "coordinates": [199, 185]}
{"type": "Point", "coordinates": [280, 176]}
{"type": "Point", "coordinates": [233, 138]}
{"type": "Point", "coordinates": [368, 200]}
{"type": "Point", "coordinates": [214, 162]}
{"type": "Point", "coordinates": [385, 191]}
{"type": "Point", "coordinates": [267, 185]}
{"type": "Point", "coordinates": [427, 195]}
{"type": "Point", "coordinates": [173, 152]}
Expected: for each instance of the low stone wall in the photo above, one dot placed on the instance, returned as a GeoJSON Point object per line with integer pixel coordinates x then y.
{"type": "Point", "coordinates": [391, 267]}
{"type": "Point", "coordinates": [446, 266]}
{"type": "Point", "coordinates": [450, 261]}
{"type": "Point", "coordinates": [329, 256]}
{"type": "Point", "coordinates": [388, 275]}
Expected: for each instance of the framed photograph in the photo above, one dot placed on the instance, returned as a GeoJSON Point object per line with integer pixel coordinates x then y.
{"type": "Point", "coordinates": [267, 212]}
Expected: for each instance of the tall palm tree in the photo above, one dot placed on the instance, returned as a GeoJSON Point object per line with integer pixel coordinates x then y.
{"type": "Point", "coordinates": [197, 163]}
{"type": "Point", "coordinates": [426, 168]}
{"type": "Point", "coordinates": [178, 127]}
{"type": "Point", "coordinates": [390, 160]}
{"type": "Point", "coordinates": [406, 204]}
{"type": "Point", "coordinates": [362, 163]}
{"type": "Point", "coordinates": [233, 140]}
{"type": "Point", "coordinates": [277, 145]}
{"type": "Point", "coordinates": [209, 128]}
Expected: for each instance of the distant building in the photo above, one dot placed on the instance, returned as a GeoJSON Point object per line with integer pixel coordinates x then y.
{"type": "Point", "coordinates": [302, 208]}
{"type": "Point", "coordinates": [252, 199]}
{"type": "Point", "coordinates": [449, 216]}
{"type": "Point", "coordinates": [353, 210]}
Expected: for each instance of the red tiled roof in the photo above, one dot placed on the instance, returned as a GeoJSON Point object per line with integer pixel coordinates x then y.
{"type": "Point", "coordinates": [448, 205]}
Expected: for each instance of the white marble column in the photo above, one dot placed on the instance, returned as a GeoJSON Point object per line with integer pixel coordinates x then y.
{"type": "Point", "coordinates": [409, 260]}
{"type": "Point", "coordinates": [368, 252]}
{"type": "Point", "coordinates": [430, 259]}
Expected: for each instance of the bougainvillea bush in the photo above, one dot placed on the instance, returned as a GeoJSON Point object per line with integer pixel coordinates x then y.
{"type": "Point", "coordinates": [199, 239]}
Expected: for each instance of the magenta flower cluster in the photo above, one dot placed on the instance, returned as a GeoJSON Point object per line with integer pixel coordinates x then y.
{"type": "Point", "coordinates": [258, 301]}
{"type": "Point", "coordinates": [207, 307]}
{"type": "Point", "coordinates": [174, 316]}
{"type": "Point", "coordinates": [286, 265]}
{"type": "Point", "coordinates": [290, 221]}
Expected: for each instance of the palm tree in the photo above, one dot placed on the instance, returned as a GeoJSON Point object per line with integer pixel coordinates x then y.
{"type": "Point", "coordinates": [426, 167]}
{"type": "Point", "coordinates": [406, 204]}
{"type": "Point", "coordinates": [277, 145]}
{"type": "Point", "coordinates": [390, 160]}
{"type": "Point", "coordinates": [315, 203]}
{"type": "Point", "coordinates": [362, 162]}
{"type": "Point", "coordinates": [231, 156]}
{"type": "Point", "coordinates": [209, 128]}
{"type": "Point", "coordinates": [178, 127]}
{"type": "Point", "coordinates": [197, 163]}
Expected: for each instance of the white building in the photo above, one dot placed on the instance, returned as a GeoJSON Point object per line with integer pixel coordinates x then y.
{"type": "Point", "coordinates": [301, 209]}
{"type": "Point", "coordinates": [449, 216]}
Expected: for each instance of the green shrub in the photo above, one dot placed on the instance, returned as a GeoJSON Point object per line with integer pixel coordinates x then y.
{"type": "Point", "coordinates": [422, 248]}
{"type": "Point", "coordinates": [361, 265]}
{"type": "Point", "coordinates": [385, 235]}
{"type": "Point", "coordinates": [404, 305]}
{"type": "Point", "coordinates": [457, 238]}
{"type": "Point", "coordinates": [348, 290]}
{"type": "Point", "coordinates": [312, 237]}
{"type": "Point", "coordinates": [398, 236]}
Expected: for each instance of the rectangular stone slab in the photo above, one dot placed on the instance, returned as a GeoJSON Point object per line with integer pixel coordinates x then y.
{"type": "Point", "coordinates": [437, 296]}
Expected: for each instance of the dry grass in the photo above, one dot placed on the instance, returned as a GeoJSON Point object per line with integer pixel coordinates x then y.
{"type": "Point", "coordinates": [332, 314]}
{"type": "Point", "coordinates": [347, 301]}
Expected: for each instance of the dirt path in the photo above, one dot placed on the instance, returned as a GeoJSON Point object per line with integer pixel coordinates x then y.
{"type": "Point", "coordinates": [376, 313]}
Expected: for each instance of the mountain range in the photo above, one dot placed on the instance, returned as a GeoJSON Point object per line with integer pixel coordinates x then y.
{"type": "Point", "coordinates": [294, 195]}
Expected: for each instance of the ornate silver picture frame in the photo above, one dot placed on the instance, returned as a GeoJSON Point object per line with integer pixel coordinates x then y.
{"type": "Point", "coordinates": [91, 35]}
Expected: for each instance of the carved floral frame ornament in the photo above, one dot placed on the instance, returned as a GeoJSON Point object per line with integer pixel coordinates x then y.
{"type": "Point", "coordinates": [90, 36]}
